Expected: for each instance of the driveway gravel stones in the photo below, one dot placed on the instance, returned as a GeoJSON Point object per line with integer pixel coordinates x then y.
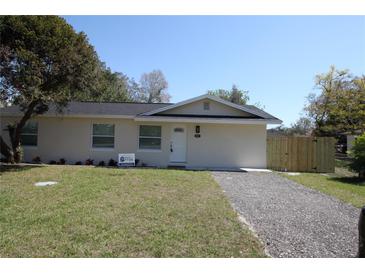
{"type": "Point", "coordinates": [290, 219]}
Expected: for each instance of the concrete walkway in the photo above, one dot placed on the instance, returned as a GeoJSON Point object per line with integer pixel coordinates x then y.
{"type": "Point", "coordinates": [290, 219]}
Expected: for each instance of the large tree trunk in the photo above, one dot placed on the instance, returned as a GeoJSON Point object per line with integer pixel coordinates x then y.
{"type": "Point", "coordinates": [6, 151]}
{"type": "Point", "coordinates": [14, 134]}
{"type": "Point", "coordinates": [362, 174]}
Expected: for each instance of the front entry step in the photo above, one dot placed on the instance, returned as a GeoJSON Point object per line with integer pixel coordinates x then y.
{"type": "Point", "coordinates": [177, 166]}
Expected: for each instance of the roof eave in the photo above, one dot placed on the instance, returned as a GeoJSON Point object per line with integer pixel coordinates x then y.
{"type": "Point", "coordinates": [142, 118]}
{"type": "Point", "coordinates": [66, 115]}
{"type": "Point", "coordinates": [244, 121]}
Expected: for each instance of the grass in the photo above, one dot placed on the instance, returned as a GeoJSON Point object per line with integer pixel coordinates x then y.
{"type": "Point", "coordinates": [343, 184]}
{"type": "Point", "coordinates": [110, 212]}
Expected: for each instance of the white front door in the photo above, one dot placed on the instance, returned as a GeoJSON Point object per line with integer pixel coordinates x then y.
{"type": "Point", "coordinates": [178, 144]}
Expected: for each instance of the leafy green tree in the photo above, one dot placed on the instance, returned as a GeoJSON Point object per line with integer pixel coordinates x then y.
{"type": "Point", "coordinates": [340, 106]}
{"type": "Point", "coordinates": [358, 154]}
{"type": "Point", "coordinates": [235, 95]}
{"type": "Point", "coordinates": [134, 91]}
{"type": "Point", "coordinates": [43, 61]}
{"type": "Point", "coordinates": [112, 87]}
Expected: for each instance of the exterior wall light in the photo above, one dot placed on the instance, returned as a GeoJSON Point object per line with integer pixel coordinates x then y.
{"type": "Point", "coordinates": [197, 132]}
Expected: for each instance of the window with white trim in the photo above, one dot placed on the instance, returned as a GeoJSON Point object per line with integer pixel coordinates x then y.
{"type": "Point", "coordinates": [29, 134]}
{"type": "Point", "coordinates": [103, 136]}
{"type": "Point", "coordinates": [150, 137]}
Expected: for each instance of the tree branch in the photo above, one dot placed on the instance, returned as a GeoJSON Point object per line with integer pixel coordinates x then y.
{"type": "Point", "coordinates": [15, 134]}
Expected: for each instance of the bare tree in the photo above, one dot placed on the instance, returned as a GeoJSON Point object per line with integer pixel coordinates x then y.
{"type": "Point", "coordinates": [153, 88]}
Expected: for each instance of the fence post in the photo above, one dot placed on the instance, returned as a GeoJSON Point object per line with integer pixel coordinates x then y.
{"type": "Point", "coordinates": [362, 233]}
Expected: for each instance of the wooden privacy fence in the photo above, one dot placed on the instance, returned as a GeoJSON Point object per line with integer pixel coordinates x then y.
{"type": "Point", "coordinates": [302, 154]}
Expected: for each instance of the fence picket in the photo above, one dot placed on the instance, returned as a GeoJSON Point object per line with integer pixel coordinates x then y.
{"type": "Point", "coordinates": [305, 154]}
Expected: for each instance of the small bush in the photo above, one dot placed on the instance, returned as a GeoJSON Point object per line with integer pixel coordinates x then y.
{"type": "Point", "coordinates": [112, 162]}
{"type": "Point", "coordinates": [78, 163]}
{"type": "Point", "coordinates": [358, 154]}
{"type": "Point", "coordinates": [52, 162]}
{"type": "Point", "coordinates": [62, 161]}
{"type": "Point", "coordinates": [101, 163]}
{"type": "Point", "coordinates": [136, 162]}
{"type": "Point", "coordinates": [89, 162]}
{"type": "Point", "coordinates": [36, 160]}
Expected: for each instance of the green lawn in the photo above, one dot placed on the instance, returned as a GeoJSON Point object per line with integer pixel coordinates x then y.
{"type": "Point", "coordinates": [110, 212]}
{"type": "Point", "coordinates": [343, 184]}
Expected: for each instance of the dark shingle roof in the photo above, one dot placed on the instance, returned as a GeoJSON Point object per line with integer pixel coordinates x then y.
{"type": "Point", "coordinates": [93, 108]}
{"type": "Point", "coordinates": [260, 112]}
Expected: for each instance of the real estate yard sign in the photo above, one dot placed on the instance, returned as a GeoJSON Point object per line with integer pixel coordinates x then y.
{"type": "Point", "coordinates": [126, 159]}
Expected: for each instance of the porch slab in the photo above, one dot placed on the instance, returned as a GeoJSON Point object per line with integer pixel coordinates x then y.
{"type": "Point", "coordinates": [255, 169]}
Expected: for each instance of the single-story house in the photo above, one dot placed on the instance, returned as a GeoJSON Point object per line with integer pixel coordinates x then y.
{"type": "Point", "coordinates": [350, 140]}
{"type": "Point", "coordinates": [203, 132]}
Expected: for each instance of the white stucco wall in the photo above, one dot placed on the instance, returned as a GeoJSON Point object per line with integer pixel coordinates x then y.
{"type": "Point", "coordinates": [350, 141]}
{"type": "Point", "coordinates": [219, 145]}
{"type": "Point", "coordinates": [227, 146]}
{"type": "Point", "coordinates": [71, 138]}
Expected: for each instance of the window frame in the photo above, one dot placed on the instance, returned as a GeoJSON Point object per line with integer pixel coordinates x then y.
{"type": "Point", "coordinates": [149, 137]}
{"type": "Point", "coordinates": [206, 105]}
{"type": "Point", "coordinates": [30, 134]}
{"type": "Point", "coordinates": [98, 135]}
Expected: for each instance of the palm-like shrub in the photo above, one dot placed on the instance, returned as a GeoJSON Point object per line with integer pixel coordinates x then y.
{"type": "Point", "coordinates": [358, 154]}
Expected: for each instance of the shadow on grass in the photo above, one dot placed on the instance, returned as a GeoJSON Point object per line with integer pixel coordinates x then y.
{"type": "Point", "coordinates": [349, 180]}
{"type": "Point", "coordinates": [15, 168]}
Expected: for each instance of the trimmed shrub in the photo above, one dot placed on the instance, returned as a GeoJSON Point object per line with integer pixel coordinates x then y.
{"type": "Point", "coordinates": [78, 163]}
{"type": "Point", "coordinates": [358, 154]}
{"type": "Point", "coordinates": [112, 162]}
{"type": "Point", "coordinates": [62, 161]}
{"type": "Point", "coordinates": [89, 162]}
{"type": "Point", "coordinates": [36, 160]}
{"type": "Point", "coordinates": [52, 162]}
{"type": "Point", "coordinates": [101, 163]}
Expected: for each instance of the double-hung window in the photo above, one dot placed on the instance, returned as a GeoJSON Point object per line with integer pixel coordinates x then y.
{"type": "Point", "coordinates": [103, 136]}
{"type": "Point", "coordinates": [29, 134]}
{"type": "Point", "coordinates": [150, 137]}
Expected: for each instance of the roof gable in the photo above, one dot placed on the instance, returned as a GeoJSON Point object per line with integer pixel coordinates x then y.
{"type": "Point", "coordinates": [206, 107]}
{"type": "Point", "coordinates": [222, 107]}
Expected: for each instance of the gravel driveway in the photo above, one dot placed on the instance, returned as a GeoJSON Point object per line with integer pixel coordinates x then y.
{"type": "Point", "coordinates": [292, 220]}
